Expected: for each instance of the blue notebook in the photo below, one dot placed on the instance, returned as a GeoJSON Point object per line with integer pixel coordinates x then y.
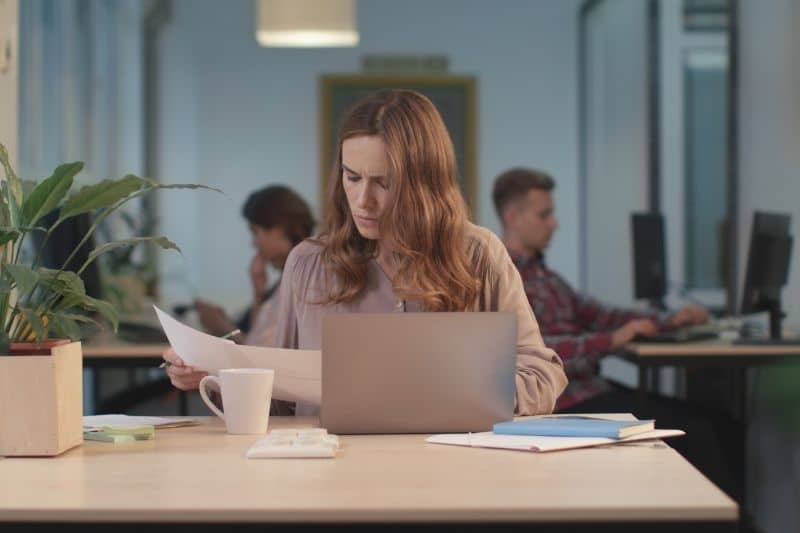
{"type": "Point", "coordinates": [574, 426]}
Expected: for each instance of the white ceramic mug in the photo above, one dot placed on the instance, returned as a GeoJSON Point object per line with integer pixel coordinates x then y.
{"type": "Point", "coordinates": [246, 395]}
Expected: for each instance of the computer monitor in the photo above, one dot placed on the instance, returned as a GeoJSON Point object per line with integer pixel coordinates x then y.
{"type": "Point", "coordinates": [767, 271]}
{"type": "Point", "coordinates": [64, 239]}
{"type": "Point", "coordinates": [649, 258]}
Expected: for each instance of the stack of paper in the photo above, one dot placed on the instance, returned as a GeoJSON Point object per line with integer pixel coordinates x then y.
{"type": "Point", "coordinates": [552, 433]}
{"type": "Point", "coordinates": [99, 422]}
{"type": "Point", "coordinates": [298, 373]}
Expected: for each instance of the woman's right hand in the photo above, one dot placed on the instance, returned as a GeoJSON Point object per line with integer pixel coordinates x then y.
{"type": "Point", "coordinates": [258, 277]}
{"type": "Point", "coordinates": [182, 376]}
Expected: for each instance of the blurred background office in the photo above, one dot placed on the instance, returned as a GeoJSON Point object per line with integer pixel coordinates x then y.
{"type": "Point", "coordinates": [690, 108]}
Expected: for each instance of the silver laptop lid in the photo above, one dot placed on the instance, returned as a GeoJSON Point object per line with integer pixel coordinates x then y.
{"type": "Point", "coordinates": [417, 372]}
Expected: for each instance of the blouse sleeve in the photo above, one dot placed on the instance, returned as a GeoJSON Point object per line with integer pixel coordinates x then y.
{"type": "Point", "coordinates": [540, 377]}
{"type": "Point", "coordinates": [286, 334]}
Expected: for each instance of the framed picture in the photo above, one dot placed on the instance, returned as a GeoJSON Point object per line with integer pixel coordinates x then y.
{"type": "Point", "coordinates": [453, 96]}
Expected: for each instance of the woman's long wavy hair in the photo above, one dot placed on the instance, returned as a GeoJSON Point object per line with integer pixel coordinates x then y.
{"type": "Point", "coordinates": [424, 220]}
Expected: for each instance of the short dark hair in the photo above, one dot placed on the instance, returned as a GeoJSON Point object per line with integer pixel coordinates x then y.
{"type": "Point", "coordinates": [279, 206]}
{"type": "Point", "coordinates": [515, 183]}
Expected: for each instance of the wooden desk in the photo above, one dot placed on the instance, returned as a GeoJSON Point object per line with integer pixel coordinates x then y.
{"type": "Point", "coordinates": [713, 353]}
{"type": "Point", "coordinates": [113, 353]}
{"type": "Point", "coordinates": [648, 356]}
{"type": "Point", "coordinates": [200, 474]}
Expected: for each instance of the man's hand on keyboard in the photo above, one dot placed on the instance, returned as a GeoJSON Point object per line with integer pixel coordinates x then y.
{"type": "Point", "coordinates": [689, 315]}
{"type": "Point", "coordinates": [643, 327]}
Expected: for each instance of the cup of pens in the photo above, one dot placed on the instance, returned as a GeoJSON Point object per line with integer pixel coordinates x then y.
{"type": "Point", "coordinates": [244, 394]}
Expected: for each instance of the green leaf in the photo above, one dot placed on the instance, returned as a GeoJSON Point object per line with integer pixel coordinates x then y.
{"type": "Point", "coordinates": [66, 324]}
{"type": "Point", "coordinates": [61, 280]}
{"type": "Point", "coordinates": [103, 194]}
{"type": "Point", "coordinates": [104, 308]}
{"type": "Point", "coordinates": [49, 193]}
{"type": "Point", "coordinates": [14, 184]}
{"type": "Point", "coordinates": [25, 278]}
{"type": "Point", "coordinates": [12, 214]}
{"type": "Point", "coordinates": [92, 304]}
{"type": "Point", "coordinates": [64, 327]}
{"type": "Point", "coordinates": [70, 300]}
{"type": "Point", "coordinates": [162, 241]}
{"type": "Point", "coordinates": [35, 323]}
{"type": "Point", "coordinates": [156, 185]}
{"type": "Point", "coordinates": [8, 236]}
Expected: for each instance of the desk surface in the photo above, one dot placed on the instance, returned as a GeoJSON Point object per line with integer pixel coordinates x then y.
{"type": "Point", "coordinates": [110, 348]}
{"type": "Point", "coordinates": [200, 474]}
{"type": "Point", "coordinates": [712, 348]}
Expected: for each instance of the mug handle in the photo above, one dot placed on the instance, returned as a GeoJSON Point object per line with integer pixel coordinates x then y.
{"type": "Point", "coordinates": [204, 395]}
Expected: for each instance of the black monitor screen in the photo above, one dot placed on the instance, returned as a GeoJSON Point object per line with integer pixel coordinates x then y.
{"type": "Point", "coordinates": [649, 257]}
{"type": "Point", "coordinates": [768, 261]}
{"type": "Point", "coordinates": [63, 241]}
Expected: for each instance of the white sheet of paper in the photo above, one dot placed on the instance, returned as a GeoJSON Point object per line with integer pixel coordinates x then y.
{"type": "Point", "coordinates": [298, 373]}
{"type": "Point", "coordinates": [541, 444]}
{"type": "Point", "coordinates": [98, 421]}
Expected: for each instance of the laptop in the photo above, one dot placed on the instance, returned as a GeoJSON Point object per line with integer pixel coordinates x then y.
{"type": "Point", "coordinates": [417, 372]}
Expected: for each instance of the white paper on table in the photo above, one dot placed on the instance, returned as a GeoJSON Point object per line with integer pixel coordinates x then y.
{"type": "Point", "coordinates": [97, 422]}
{"type": "Point", "coordinates": [532, 443]}
{"type": "Point", "coordinates": [298, 373]}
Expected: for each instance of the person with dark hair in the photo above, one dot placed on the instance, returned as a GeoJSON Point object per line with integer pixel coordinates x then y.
{"type": "Point", "coordinates": [278, 219]}
{"type": "Point", "coordinates": [398, 239]}
{"type": "Point", "coordinates": [583, 330]}
{"type": "Point", "coordinates": [578, 327]}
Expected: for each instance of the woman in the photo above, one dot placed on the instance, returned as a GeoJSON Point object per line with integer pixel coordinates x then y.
{"type": "Point", "coordinates": [397, 239]}
{"type": "Point", "coordinates": [278, 219]}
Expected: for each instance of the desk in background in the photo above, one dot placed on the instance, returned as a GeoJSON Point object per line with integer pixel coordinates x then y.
{"type": "Point", "coordinates": [200, 474]}
{"type": "Point", "coordinates": [107, 352]}
{"type": "Point", "coordinates": [715, 354]}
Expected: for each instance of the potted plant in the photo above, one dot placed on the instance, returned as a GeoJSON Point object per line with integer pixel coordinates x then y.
{"type": "Point", "coordinates": [41, 398]}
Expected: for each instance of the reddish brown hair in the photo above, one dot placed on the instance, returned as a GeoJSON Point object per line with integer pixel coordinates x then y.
{"type": "Point", "coordinates": [425, 217]}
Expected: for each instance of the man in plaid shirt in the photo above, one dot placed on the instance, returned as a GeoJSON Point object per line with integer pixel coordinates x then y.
{"type": "Point", "coordinates": [582, 330]}
{"type": "Point", "coordinates": [579, 328]}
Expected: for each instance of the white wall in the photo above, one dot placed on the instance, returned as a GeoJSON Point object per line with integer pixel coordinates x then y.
{"type": "Point", "coordinates": [769, 178]}
{"type": "Point", "coordinates": [239, 117]}
{"type": "Point", "coordinates": [9, 17]}
{"type": "Point", "coordinates": [616, 144]}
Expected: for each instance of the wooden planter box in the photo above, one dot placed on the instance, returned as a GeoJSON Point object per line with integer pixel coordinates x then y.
{"type": "Point", "coordinates": [41, 401]}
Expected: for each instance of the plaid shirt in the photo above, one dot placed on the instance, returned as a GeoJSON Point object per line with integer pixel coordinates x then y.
{"type": "Point", "coordinates": [577, 327]}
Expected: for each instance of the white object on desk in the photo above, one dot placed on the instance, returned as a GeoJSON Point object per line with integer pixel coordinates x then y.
{"type": "Point", "coordinates": [295, 443]}
{"type": "Point", "coordinates": [98, 422]}
{"type": "Point", "coordinates": [298, 373]}
{"type": "Point", "coordinates": [541, 444]}
{"type": "Point", "coordinates": [246, 395]}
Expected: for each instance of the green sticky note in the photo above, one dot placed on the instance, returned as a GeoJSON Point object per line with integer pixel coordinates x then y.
{"type": "Point", "coordinates": [144, 432]}
{"type": "Point", "coordinates": [102, 436]}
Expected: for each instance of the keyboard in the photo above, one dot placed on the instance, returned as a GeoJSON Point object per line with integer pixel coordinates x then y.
{"type": "Point", "coordinates": [295, 443]}
{"type": "Point", "coordinates": [764, 341]}
{"type": "Point", "coordinates": [687, 334]}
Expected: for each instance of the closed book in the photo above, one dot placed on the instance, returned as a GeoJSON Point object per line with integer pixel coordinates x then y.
{"type": "Point", "coordinates": [574, 426]}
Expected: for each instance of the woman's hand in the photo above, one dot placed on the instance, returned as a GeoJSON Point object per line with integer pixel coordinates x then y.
{"type": "Point", "coordinates": [183, 377]}
{"type": "Point", "coordinates": [258, 277]}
